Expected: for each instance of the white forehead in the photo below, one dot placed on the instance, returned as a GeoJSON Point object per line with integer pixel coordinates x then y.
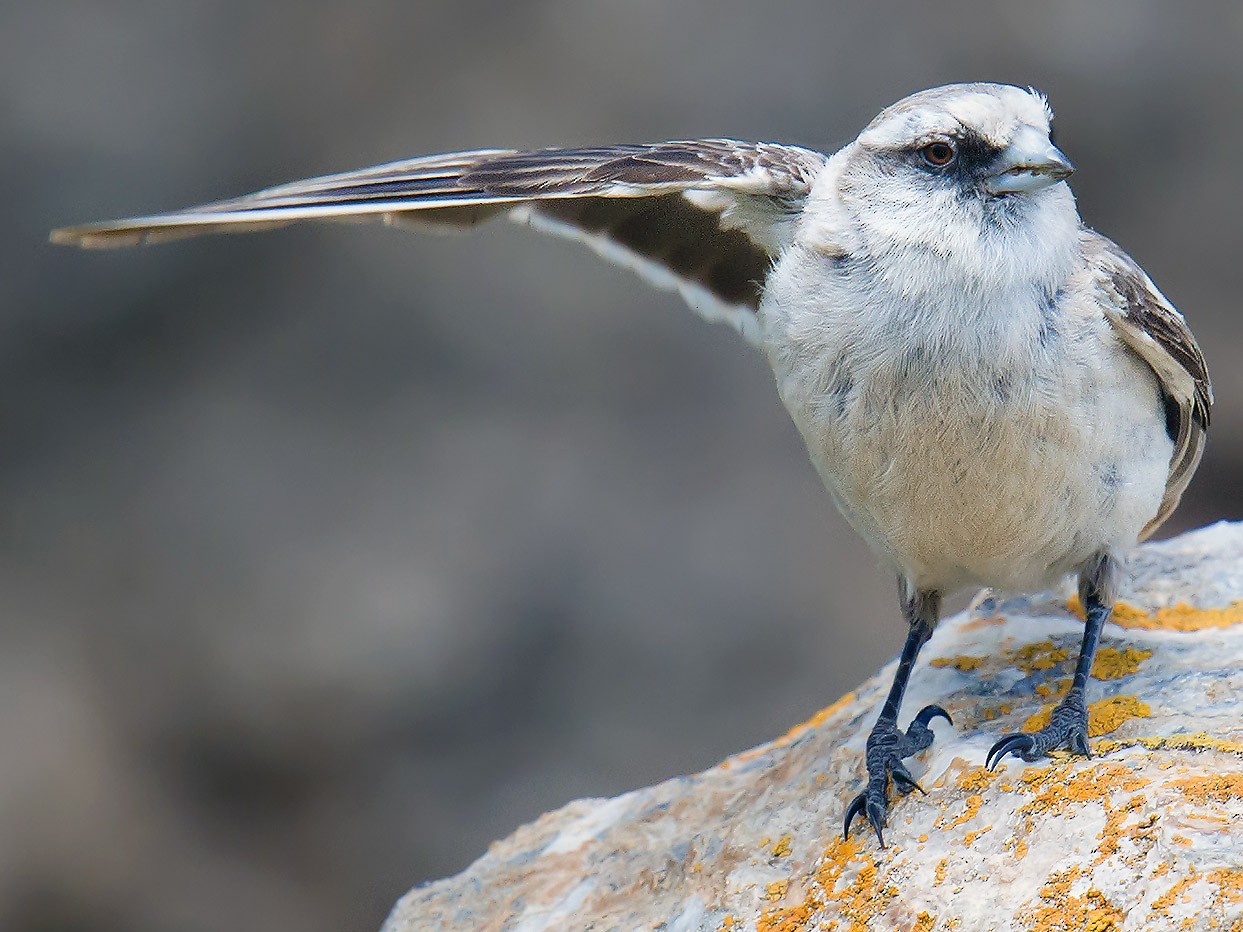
{"type": "Point", "coordinates": [994, 111]}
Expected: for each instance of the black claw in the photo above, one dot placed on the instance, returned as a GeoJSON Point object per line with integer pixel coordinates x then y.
{"type": "Point", "coordinates": [885, 751]}
{"type": "Point", "coordinates": [875, 810]}
{"type": "Point", "coordinates": [903, 780]}
{"type": "Point", "coordinates": [1017, 744]}
{"type": "Point", "coordinates": [1067, 728]}
{"type": "Point", "coordinates": [929, 712]}
{"type": "Point", "coordinates": [876, 815]}
{"type": "Point", "coordinates": [856, 806]}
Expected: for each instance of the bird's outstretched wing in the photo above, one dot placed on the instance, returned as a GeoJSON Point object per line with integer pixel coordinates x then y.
{"type": "Point", "coordinates": [704, 218]}
{"type": "Point", "coordinates": [1151, 326]}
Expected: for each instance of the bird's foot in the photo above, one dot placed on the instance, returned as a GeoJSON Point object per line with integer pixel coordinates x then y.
{"type": "Point", "coordinates": [886, 748]}
{"type": "Point", "coordinates": [1067, 728]}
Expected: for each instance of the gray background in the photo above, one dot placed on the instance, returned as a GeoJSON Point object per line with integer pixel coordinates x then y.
{"type": "Point", "coordinates": [329, 555]}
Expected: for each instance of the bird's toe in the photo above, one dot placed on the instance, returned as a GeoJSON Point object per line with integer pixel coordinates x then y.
{"type": "Point", "coordinates": [1067, 728]}
{"type": "Point", "coordinates": [1018, 744]}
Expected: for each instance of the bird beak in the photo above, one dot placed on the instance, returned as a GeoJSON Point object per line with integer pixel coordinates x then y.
{"type": "Point", "coordinates": [1028, 164]}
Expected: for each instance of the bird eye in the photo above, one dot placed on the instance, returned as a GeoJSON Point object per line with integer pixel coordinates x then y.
{"type": "Point", "coordinates": [938, 154]}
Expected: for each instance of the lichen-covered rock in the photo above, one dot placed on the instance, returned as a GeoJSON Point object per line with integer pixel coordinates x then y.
{"type": "Point", "coordinates": [1147, 834]}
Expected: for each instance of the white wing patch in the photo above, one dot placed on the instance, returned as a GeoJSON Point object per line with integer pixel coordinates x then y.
{"type": "Point", "coordinates": [738, 316]}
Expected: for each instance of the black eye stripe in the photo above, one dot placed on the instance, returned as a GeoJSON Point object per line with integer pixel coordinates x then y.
{"type": "Point", "coordinates": [973, 154]}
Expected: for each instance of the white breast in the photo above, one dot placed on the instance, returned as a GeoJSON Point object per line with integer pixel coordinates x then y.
{"type": "Point", "coordinates": [997, 440]}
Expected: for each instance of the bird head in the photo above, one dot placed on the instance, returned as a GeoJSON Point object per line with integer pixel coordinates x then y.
{"type": "Point", "coordinates": [967, 173]}
{"type": "Point", "coordinates": [983, 140]}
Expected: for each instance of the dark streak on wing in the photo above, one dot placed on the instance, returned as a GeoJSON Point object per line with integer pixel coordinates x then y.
{"type": "Point", "coordinates": [670, 230]}
{"type": "Point", "coordinates": [1157, 333]}
{"type": "Point", "coordinates": [632, 194]}
{"type": "Point", "coordinates": [1171, 332]}
{"type": "Point", "coordinates": [1173, 416]}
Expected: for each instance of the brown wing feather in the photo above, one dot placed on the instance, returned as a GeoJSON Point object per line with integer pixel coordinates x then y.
{"type": "Point", "coordinates": [706, 217]}
{"type": "Point", "coordinates": [1159, 335]}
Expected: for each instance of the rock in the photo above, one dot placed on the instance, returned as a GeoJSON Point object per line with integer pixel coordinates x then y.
{"type": "Point", "coordinates": [1147, 834]}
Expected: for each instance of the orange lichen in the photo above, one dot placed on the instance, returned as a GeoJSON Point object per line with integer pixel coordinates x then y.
{"type": "Point", "coordinates": [1054, 689]}
{"type": "Point", "coordinates": [1177, 891]}
{"type": "Point", "coordinates": [1102, 918]}
{"type": "Point", "coordinates": [782, 848]}
{"type": "Point", "coordinates": [1041, 655]}
{"type": "Point", "coordinates": [973, 804]}
{"type": "Point", "coordinates": [963, 662]}
{"type": "Point", "coordinates": [845, 884]}
{"type": "Point", "coordinates": [976, 779]}
{"type": "Point", "coordinates": [1197, 741]}
{"type": "Point", "coordinates": [1108, 714]}
{"type": "Point", "coordinates": [1056, 787]}
{"type": "Point", "coordinates": [799, 919]}
{"type": "Point", "coordinates": [970, 837]}
{"type": "Point", "coordinates": [1227, 889]}
{"type": "Point", "coordinates": [940, 871]}
{"type": "Point", "coordinates": [1218, 788]}
{"type": "Point", "coordinates": [1059, 909]}
{"type": "Point", "coordinates": [794, 919]}
{"type": "Point", "coordinates": [1111, 663]}
{"type": "Point", "coordinates": [1229, 882]}
{"type": "Point", "coordinates": [924, 922]}
{"type": "Point", "coordinates": [1179, 617]}
{"type": "Point", "coordinates": [776, 890]}
{"type": "Point", "coordinates": [1038, 720]}
{"type": "Point", "coordinates": [1111, 835]}
{"type": "Point", "coordinates": [1103, 717]}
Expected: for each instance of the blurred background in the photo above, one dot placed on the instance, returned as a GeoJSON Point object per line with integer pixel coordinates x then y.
{"type": "Point", "coordinates": [331, 554]}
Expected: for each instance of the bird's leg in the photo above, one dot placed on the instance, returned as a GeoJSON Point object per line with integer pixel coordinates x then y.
{"type": "Point", "coordinates": [1068, 725]}
{"type": "Point", "coordinates": [887, 746]}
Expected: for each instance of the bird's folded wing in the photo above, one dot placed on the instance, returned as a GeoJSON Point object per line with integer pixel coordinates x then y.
{"type": "Point", "coordinates": [1159, 335]}
{"type": "Point", "coordinates": [705, 217]}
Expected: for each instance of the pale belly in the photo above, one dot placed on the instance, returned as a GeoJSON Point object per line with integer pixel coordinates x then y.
{"type": "Point", "coordinates": [976, 480]}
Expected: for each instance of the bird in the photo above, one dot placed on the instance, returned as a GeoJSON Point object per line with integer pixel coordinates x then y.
{"type": "Point", "coordinates": [993, 394]}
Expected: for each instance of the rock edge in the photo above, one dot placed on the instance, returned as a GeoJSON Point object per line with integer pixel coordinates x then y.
{"type": "Point", "coordinates": [1148, 834]}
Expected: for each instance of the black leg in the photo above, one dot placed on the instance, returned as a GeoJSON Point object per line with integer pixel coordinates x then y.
{"type": "Point", "coordinates": [1068, 726]}
{"type": "Point", "coordinates": [887, 746]}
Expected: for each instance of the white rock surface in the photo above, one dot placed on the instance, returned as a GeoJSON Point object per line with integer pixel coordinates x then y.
{"type": "Point", "coordinates": [1147, 834]}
